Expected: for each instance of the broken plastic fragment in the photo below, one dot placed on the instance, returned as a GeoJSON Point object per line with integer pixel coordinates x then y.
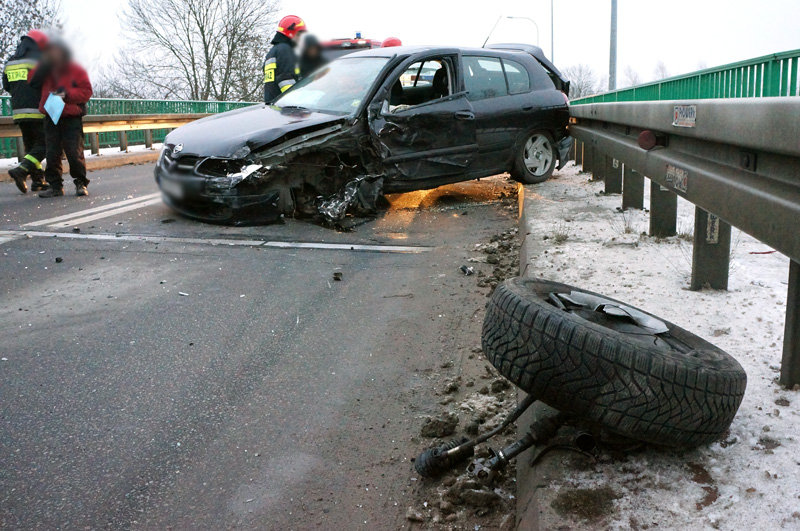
{"type": "Point", "coordinates": [360, 193]}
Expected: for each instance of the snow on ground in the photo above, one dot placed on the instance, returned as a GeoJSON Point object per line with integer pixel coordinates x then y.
{"type": "Point", "coordinates": [751, 479]}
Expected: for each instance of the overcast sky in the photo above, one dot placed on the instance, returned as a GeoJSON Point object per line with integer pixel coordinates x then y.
{"type": "Point", "coordinates": [684, 34]}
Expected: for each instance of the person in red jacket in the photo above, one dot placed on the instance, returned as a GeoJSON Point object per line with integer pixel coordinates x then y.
{"type": "Point", "coordinates": [59, 76]}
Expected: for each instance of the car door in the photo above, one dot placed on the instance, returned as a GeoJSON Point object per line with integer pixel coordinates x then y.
{"type": "Point", "coordinates": [497, 113]}
{"type": "Point", "coordinates": [431, 141]}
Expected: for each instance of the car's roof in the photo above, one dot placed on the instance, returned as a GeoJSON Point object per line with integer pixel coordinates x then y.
{"type": "Point", "coordinates": [411, 50]}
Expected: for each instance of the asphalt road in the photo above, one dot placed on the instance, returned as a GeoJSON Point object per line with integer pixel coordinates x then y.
{"type": "Point", "coordinates": [201, 378]}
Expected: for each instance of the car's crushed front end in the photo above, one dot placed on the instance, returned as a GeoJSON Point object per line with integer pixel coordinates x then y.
{"type": "Point", "coordinates": [255, 188]}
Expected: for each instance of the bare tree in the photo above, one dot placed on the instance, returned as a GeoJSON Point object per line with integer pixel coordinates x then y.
{"type": "Point", "coordinates": [660, 71]}
{"type": "Point", "coordinates": [193, 49]}
{"type": "Point", "coordinates": [582, 80]}
{"type": "Point", "coordinates": [17, 17]}
{"type": "Point", "coordinates": [632, 77]}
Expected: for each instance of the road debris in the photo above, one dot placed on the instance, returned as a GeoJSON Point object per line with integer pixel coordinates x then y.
{"type": "Point", "coordinates": [183, 294]}
{"type": "Point", "coordinates": [467, 270]}
{"type": "Point", "coordinates": [412, 515]}
{"type": "Point", "coordinates": [337, 276]}
{"type": "Point", "coordinates": [59, 259]}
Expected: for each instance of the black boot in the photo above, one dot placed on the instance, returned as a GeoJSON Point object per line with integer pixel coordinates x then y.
{"type": "Point", "coordinates": [20, 176]}
{"type": "Point", "coordinates": [81, 190]}
{"type": "Point", "coordinates": [38, 184]}
{"type": "Point", "coordinates": [52, 192]}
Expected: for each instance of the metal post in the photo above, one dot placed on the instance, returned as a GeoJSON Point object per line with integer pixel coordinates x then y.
{"type": "Point", "coordinates": [790, 365]}
{"type": "Point", "coordinates": [588, 158]}
{"type": "Point", "coordinates": [632, 190]}
{"type": "Point", "coordinates": [663, 211]}
{"type": "Point", "coordinates": [552, 34]}
{"type": "Point", "coordinates": [94, 143]}
{"type": "Point", "coordinates": [711, 252]}
{"type": "Point", "coordinates": [612, 61]}
{"type": "Point", "coordinates": [148, 138]}
{"type": "Point", "coordinates": [123, 141]}
{"type": "Point", "coordinates": [20, 149]}
{"type": "Point", "coordinates": [613, 175]}
{"type": "Point", "coordinates": [598, 165]}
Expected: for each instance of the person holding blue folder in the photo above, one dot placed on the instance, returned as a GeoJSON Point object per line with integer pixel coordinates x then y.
{"type": "Point", "coordinates": [65, 90]}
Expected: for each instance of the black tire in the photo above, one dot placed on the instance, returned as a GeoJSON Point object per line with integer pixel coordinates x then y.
{"type": "Point", "coordinates": [674, 389]}
{"type": "Point", "coordinates": [522, 170]}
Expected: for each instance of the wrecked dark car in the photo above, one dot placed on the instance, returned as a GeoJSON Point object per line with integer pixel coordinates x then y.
{"type": "Point", "coordinates": [378, 121]}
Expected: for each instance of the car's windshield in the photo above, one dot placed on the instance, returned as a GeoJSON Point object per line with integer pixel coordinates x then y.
{"type": "Point", "coordinates": [338, 87]}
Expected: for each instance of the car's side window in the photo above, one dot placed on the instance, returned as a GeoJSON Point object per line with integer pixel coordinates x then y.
{"type": "Point", "coordinates": [484, 78]}
{"type": "Point", "coordinates": [517, 75]}
{"type": "Point", "coordinates": [422, 82]}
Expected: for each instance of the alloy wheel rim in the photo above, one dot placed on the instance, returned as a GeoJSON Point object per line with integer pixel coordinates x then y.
{"type": "Point", "coordinates": [538, 155]}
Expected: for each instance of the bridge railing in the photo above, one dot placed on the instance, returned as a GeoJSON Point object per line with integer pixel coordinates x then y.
{"type": "Point", "coordinates": [767, 76]}
{"type": "Point", "coordinates": [114, 106]}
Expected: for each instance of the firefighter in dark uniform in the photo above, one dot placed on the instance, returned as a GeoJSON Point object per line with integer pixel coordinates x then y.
{"type": "Point", "coordinates": [25, 109]}
{"type": "Point", "coordinates": [280, 66]}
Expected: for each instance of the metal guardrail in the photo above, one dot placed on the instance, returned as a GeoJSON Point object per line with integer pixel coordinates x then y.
{"type": "Point", "coordinates": [762, 77]}
{"type": "Point", "coordinates": [737, 160]}
{"type": "Point", "coordinates": [133, 136]}
{"type": "Point", "coordinates": [104, 123]}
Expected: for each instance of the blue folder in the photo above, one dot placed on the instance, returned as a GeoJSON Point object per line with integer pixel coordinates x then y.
{"type": "Point", "coordinates": [54, 106]}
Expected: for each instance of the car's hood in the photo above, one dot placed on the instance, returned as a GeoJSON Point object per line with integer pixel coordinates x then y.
{"type": "Point", "coordinates": [223, 135]}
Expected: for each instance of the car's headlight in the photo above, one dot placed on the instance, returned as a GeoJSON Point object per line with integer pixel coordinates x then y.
{"type": "Point", "coordinates": [227, 185]}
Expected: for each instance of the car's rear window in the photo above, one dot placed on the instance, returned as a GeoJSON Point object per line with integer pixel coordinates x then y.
{"type": "Point", "coordinates": [517, 75]}
{"type": "Point", "coordinates": [484, 78]}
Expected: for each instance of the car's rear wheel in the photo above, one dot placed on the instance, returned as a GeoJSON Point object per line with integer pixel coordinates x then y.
{"type": "Point", "coordinates": [536, 159]}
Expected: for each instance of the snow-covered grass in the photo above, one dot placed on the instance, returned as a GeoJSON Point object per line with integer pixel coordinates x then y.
{"type": "Point", "coordinates": [749, 480]}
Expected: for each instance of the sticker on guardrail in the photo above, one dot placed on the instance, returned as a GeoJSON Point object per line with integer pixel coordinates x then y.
{"type": "Point", "coordinates": [678, 178]}
{"type": "Point", "coordinates": [685, 116]}
{"type": "Point", "coordinates": [712, 229]}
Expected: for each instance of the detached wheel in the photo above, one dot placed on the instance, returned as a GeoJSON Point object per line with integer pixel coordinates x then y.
{"type": "Point", "coordinates": [612, 364]}
{"type": "Point", "coordinates": [536, 159]}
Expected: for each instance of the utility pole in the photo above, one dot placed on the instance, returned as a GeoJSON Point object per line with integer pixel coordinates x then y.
{"type": "Point", "coordinates": [612, 63]}
{"type": "Point", "coordinates": [552, 33]}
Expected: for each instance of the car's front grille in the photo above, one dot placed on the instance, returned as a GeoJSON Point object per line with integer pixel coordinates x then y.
{"type": "Point", "coordinates": [185, 163]}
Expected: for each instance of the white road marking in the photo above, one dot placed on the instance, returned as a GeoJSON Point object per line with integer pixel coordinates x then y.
{"type": "Point", "coordinates": [219, 241]}
{"type": "Point", "coordinates": [108, 213]}
{"type": "Point", "coordinates": [4, 238]}
{"type": "Point", "coordinates": [100, 208]}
